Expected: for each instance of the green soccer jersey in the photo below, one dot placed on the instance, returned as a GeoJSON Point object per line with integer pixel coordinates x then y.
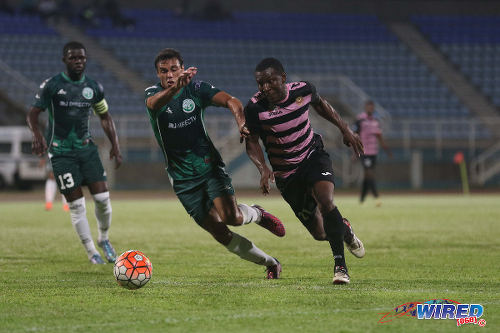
{"type": "Point", "coordinates": [180, 131]}
{"type": "Point", "coordinates": [69, 104]}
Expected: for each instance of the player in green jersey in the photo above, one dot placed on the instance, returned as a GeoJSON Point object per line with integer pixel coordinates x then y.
{"type": "Point", "coordinates": [70, 97]}
{"type": "Point", "coordinates": [175, 107]}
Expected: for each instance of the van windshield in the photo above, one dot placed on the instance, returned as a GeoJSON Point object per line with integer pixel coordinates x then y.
{"type": "Point", "coordinates": [26, 147]}
{"type": "Point", "coordinates": [5, 147]}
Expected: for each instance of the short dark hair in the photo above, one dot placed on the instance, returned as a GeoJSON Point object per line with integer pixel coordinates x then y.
{"type": "Point", "coordinates": [166, 54]}
{"type": "Point", "coordinates": [369, 102]}
{"type": "Point", "coordinates": [73, 45]}
{"type": "Point", "coordinates": [270, 63]}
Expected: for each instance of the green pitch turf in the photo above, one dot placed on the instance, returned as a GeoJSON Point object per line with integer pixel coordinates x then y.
{"type": "Point", "coordinates": [418, 248]}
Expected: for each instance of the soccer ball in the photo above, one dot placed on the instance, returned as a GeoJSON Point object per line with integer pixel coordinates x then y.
{"type": "Point", "coordinates": [132, 269]}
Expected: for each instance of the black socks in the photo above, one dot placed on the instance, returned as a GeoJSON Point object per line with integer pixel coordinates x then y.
{"type": "Point", "coordinates": [334, 228]}
{"type": "Point", "coordinates": [368, 185]}
{"type": "Point", "coordinates": [364, 189]}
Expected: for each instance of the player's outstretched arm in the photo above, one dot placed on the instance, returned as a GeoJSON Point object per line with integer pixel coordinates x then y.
{"type": "Point", "coordinates": [223, 99]}
{"type": "Point", "coordinates": [108, 126]}
{"type": "Point", "coordinates": [159, 100]}
{"type": "Point", "coordinates": [38, 144]}
{"type": "Point", "coordinates": [254, 152]}
{"type": "Point", "coordinates": [325, 110]}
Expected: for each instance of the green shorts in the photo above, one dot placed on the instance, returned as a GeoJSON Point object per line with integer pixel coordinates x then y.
{"type": "Point", "coordinates": [76, 168]}
{"type": "Point", "coordinates": [197, 196]}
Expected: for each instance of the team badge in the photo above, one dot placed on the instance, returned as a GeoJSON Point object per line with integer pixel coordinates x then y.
{"type": "Point", "coordinates": [88, 93]}
{"type": "Point", "coordinates": [299, 100]}
{"type": "Point", "coordinates": [188, 105]}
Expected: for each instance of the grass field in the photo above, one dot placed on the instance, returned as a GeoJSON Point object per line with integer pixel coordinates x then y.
{"type": "Point", "coordinates": [418, 248]}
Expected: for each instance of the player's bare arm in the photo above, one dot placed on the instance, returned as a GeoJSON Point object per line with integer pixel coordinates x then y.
{"type": "Point", "coordinates": [223, 99]}
{"type": "Point", "coordinates": [38, 145]}
{"type": "Point", "coordinates": [172, 79]}
{"type": "Point", "coordinates": [325, 110]}
{"type": "Point", "coordinates": [255, 153]}
{"type": "Point", "coordinates": [384, 145]}
{"type": "Point", "coordinates": [108, 126]}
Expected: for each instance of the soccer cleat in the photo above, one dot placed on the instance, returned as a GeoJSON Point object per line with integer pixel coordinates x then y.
{"type": "Point", "coordinates": [353, 243]}
{"type": "Point", "coordinates": [96, 259]}
{"type": "Point", "coordinates": [270, 222]}
{"type": "Point", "coordinates": [109, 251]}
{"type": "Point", "coordinates": [48, 206]}
{"type": "Point", "coordinates": [340, 275]}
{"type": "Point", "coordinates": [66, 207]}
{"type": "Point", "coordinates": [273, 271]}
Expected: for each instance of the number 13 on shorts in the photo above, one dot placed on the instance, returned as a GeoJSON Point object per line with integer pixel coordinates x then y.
{"type": "Point", "coordinates": [66, 181]}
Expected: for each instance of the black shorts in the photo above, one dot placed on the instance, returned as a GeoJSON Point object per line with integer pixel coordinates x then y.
{"type": "Point", "coordinates": [297, 189]}
{"type": "Point", "coordinates": [369, 161]}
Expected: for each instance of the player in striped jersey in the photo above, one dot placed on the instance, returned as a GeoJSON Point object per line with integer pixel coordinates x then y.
{"type": "Point", "coordinates": [176, 107]}
{"type": "Point", "coordinates": [368, 128]}
{"type": "Point", "coordinates": [279, 115]}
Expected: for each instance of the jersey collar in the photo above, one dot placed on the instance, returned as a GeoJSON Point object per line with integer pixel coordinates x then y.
{"type": "Point", "coordinates": [179, 93]}
{"type": "Point", "coordinates": [287, 95]}
{"type": "Point", "coordinates": [67, 78]}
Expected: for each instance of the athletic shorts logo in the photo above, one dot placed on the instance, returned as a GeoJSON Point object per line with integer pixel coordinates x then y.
{"type": "Point", "coordinates": [88, 93]}
{"type": "Point", "coordinates": [326, 173]}
{"type": "Point", "coordinates": [188, 105]}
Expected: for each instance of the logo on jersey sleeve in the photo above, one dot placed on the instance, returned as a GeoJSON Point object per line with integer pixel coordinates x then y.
{"type": "Point", "coordinates": [44, 83]}
{"type": "Point", "coordinates": [188, 105]}
{"type": "Point", "coordinates": [88, 93]}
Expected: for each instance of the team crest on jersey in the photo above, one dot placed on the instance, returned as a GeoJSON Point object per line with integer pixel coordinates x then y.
{"type": "Point", "coordinates": [188, 105]}
{"type": "Point", "coordinates": [88, 93]}
{"type": "Point", "coordinates": [299, 100]}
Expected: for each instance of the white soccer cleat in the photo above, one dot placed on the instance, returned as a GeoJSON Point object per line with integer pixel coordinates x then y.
{"type": "Point", "coordinates": [353, 243]}
{"type": "Point", "coordinates": [356, 247]}
{"type": "Point", "coordinates": [340, 275]}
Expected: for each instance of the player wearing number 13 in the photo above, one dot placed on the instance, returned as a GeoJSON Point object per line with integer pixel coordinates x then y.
{"type": "Point", "coordinates": [70, 97]}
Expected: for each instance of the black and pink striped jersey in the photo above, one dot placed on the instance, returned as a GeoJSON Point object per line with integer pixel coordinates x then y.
{"type": "Point", "coordinates": [284, 128]}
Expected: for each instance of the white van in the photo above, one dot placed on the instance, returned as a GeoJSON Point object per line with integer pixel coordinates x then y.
{"type": "Point", "coordinates": [18, 166]}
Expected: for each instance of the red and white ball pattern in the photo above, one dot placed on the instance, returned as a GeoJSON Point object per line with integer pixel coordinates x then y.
{"type": "Point", "coordinates": [132, 269]}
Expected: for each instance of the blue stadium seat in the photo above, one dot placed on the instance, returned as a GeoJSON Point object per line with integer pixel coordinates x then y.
{"type": "Point", "coordinates": [226, 52]}
{"type": "Point", "coordinates": [470, 42]}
